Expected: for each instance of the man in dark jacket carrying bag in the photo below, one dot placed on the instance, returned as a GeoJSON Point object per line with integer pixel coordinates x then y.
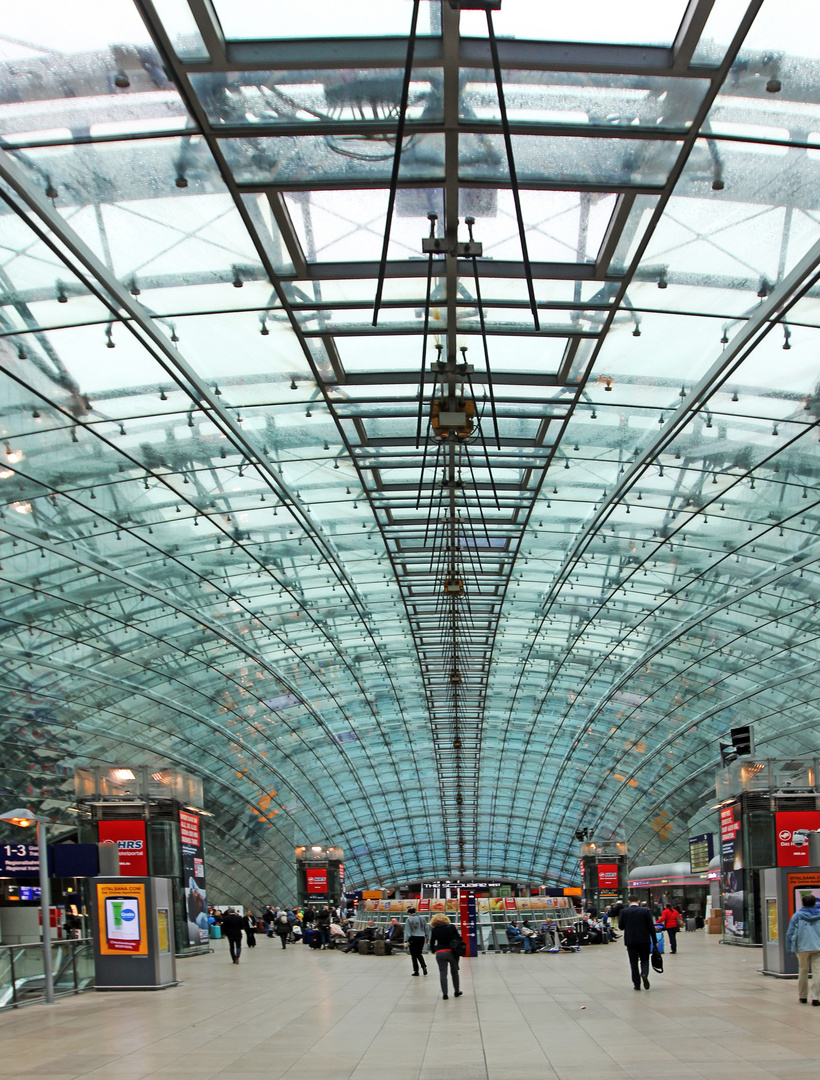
{"type": "Point", "coordinates": [640, 937]}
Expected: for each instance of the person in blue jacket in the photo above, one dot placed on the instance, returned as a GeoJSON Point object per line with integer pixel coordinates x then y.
{"type": "Point", "coordinates": [803, 938]}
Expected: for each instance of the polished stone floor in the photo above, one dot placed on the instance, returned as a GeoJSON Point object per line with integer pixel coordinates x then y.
{"type": "Point", "coordinates": [303, 1015]}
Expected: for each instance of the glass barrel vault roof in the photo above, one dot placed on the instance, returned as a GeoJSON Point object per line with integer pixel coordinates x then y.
{"type": "Point", "coordinates": [222, 533]}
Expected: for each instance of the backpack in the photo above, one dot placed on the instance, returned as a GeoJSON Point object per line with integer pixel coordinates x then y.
{"type": "Point", "coordinates": [457, 944]}
{"type": "Point", "coordinates": [283, 920]}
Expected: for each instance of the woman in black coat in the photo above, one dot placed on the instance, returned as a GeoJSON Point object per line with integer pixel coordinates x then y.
{"type": "Point", "coordinates": [443, 938]}
{"type": "Point", "coordinates": [250, 928]}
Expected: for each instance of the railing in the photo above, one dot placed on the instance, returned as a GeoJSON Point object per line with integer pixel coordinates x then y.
{"type": "Point", "coordinates": [22, 980]}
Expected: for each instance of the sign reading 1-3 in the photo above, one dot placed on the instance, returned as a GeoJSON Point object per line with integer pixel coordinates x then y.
{"type": "Point", "coordinates": [19, 860]}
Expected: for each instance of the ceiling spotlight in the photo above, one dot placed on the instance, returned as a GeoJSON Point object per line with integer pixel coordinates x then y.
{"type": "Point", "coordinates": [181, 181]}
{"type": "Point", "coordinates": [293, 384]}
{"type": "Point", "coordinates": [121, 80]}
{"type": "Point", "coordinates": [662, 282]}
{"type": "Point", "coordinates": [774, 86]}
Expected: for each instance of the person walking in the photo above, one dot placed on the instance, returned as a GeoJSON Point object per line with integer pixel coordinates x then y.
{"type": "Point", "coordinates": [672, 921]}
{"type": "Point", "coordinates": [282, 927]}
{"type": "Point", "coordinates": [445, 942]}
{"type": "Point", "coordinates": [250, 928]}
{"type": "Point", "coordinates": [803, 938]}
{"type": "Point", "coordinates": [323, 926]}
{"type": "Point", "coordinates": [415, 934]}
{"type": "Point", "coordinates": [232, 927]}
{"type": "Point", "coordinates": [640, 937]}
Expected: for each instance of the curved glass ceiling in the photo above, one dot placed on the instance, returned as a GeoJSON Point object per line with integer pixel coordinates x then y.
{"type": "Point", "coordinates": [440, 621]}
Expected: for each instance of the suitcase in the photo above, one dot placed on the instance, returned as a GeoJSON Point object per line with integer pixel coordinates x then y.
{"type": "Point", "coordinates": [691, 925]}
{"type": "Point", "coordinates": [364, 948]}
{"type": "Point", "coordinates": [378, 948]}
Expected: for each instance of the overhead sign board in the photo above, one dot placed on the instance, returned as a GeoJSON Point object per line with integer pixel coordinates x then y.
{"type": "Point", "coordinates": [701, 853]}
{"type": "Point", "coordinates": [19, 861]}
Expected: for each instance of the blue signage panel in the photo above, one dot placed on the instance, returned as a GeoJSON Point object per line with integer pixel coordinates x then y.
{"type": "Point", "coordinates": [19, 861]}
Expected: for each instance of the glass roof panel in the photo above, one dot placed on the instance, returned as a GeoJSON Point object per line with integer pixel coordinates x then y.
{"type": "Point", "coordinates": [635, 21]}
{"type": "Point", "coordinates": [347, 157]}
{"type": "Point", "coordinates": [254, 19]}
{"type": "Point", "coordinates": [312, 97]}
{"type": "Point", "coordinates": [573, 98]}
{"type": "Point", "coordinates": [568, 160]}
{"type": "Point", "coordinates": [227, 486]}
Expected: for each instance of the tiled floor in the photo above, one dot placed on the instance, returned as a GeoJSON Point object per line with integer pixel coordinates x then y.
{"type": "Point", "coordinates": [304, 1015]}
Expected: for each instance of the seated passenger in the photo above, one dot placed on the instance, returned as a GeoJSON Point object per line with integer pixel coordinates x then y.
{"type": "Point", "coordinates": [514, 935]}
{"type": "Point", "coordinates": [368, 934]}
{"type": "Point", "coordinates": [337, 934]}
{"type": "Point", "coordinates": [530, 936]}
{"type": "Point", "coordinates": [552, 935]}
{"type": "Point", "coordinates": [394, 938]}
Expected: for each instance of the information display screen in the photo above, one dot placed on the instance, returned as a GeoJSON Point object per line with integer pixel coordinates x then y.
{"type": "Point", "coordinates": [701, 853]}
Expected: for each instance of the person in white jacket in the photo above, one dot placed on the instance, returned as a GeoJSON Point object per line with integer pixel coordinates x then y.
{"type": "Point", "coordinates": [803, 938]}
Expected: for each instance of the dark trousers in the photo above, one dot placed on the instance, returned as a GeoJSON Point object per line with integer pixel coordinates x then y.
{"type": "Point", "coordinates": [283, 936]}
{"type": "Point", "coordinates": [446, 959]}
{"type": "Point", "coordinates": [415, 944]}
{"type": "Point", "coordinates": [672, 931]}
{"type": "Point", "coordinates": [235, 945]}
{"type": "Point", "coordinates": [251, 936]}
{"type": "Point", "coordinates": [324, 931]}
{"type": "Point", "coordinates": [639, 953]}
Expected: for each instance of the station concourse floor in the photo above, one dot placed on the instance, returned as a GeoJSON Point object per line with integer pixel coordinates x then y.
{"type": "Point", "coordinates": [301, 1014]}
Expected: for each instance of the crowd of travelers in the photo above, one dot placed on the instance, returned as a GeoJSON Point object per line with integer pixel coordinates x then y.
{"type": "Point", "coordinates": [328, 926]}
{"type": "Point", "coordinates": [322, 927]}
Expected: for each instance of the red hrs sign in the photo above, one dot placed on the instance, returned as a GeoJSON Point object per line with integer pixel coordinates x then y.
{"type": "Point", "coordinates": [607, 876]}
{"type": "Point", "coordinates": [316, 882]}
{"type": "Point", "coordinates": [129, 836]}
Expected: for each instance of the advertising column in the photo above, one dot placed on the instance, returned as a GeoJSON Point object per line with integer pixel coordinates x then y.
{"type": "Point", "coordinates": [193, 878]}
{"type": "Point", "coordinates": [731, 864]}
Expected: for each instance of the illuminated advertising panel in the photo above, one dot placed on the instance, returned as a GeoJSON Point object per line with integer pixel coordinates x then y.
{"type": "Point", "coordinates": [122, 916]}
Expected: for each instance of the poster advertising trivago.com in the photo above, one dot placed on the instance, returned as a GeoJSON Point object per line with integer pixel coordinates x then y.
{"type": "Point", "coordinates": [193, 878]}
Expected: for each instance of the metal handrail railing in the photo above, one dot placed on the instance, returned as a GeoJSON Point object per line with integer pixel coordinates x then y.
{"type": "Point", "coordinates": [17, 989]}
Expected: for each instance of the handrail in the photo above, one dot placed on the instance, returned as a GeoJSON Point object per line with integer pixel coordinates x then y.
{"type": "Point", "coordinates": [17, 990]}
